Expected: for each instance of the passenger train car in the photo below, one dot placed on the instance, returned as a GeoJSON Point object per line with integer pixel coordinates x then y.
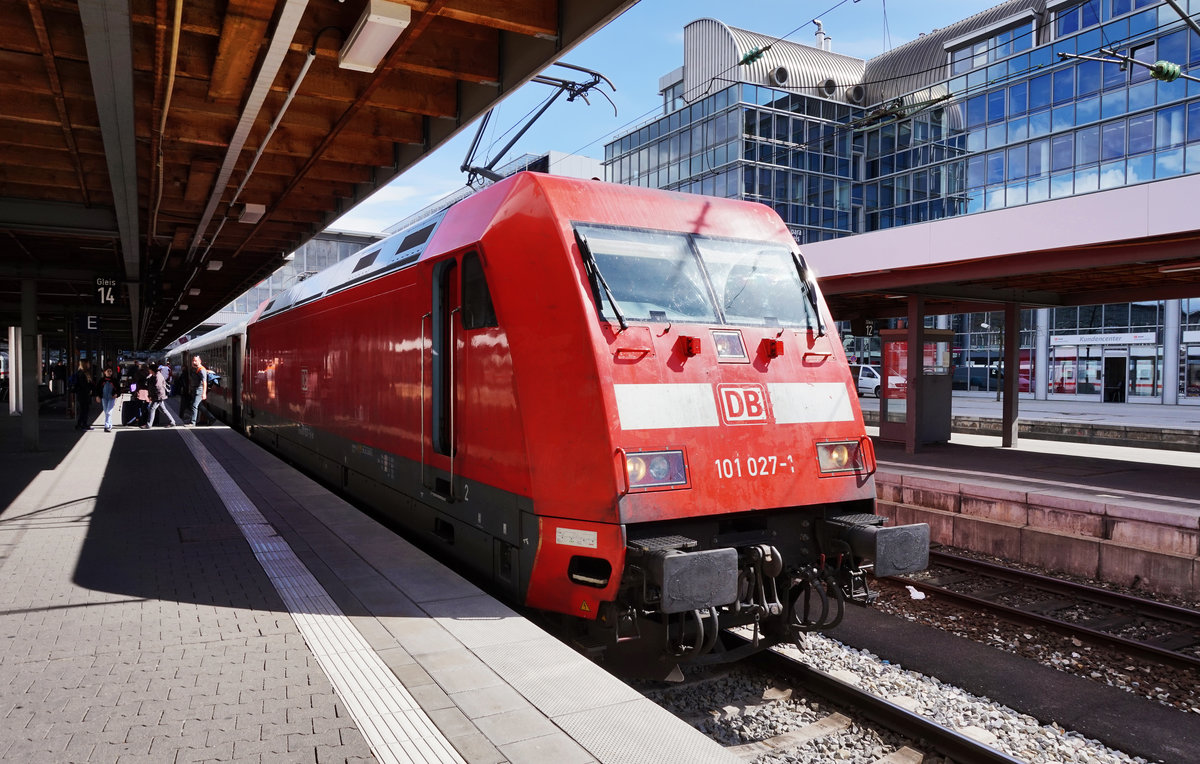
{"type": "Point", "coordinates": [624, 405]}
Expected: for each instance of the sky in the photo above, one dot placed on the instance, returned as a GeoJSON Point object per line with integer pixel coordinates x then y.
{"type": "Point", "coordinates": [633, 51]}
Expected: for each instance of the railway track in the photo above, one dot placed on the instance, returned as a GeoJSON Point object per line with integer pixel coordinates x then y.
{"type": "Point", "coordinates": [1142, 628]}
{"type": "Point", "coordinates": [908, 724]}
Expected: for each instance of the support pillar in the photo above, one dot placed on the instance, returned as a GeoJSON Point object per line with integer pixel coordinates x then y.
{"type": "Point", "coordinates": [29, 365]}
{"type": "Point", "coordinates": [1171, 348]}
{"type": "Point", "coordinates": [916, 321]}
{"type": "Point", "coordinates": [14, 370]}
{"type": "Point", "coordinates": [1041, 355]}
{"type": "Point", "coordinates": [1012, 374]}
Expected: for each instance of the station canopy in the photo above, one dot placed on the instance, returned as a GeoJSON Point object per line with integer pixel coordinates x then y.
{"type": "Point", "coordinates": [160, 157]}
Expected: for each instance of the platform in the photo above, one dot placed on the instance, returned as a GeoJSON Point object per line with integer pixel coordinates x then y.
{"type": "Point", "coordinates": [1128, 515]}
{"type": "Point", "coordinates": [181, 595]}
{"type": "Point", "coordinates": [1149, 425]}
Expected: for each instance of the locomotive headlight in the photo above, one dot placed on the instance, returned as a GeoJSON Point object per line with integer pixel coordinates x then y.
{"type": "Point", "coordinates": [656, 469]}
{"type": "Point", "coordinates": [840, 457]}
{"type": "Point", "coordinates": [660, 468]}
{"type": "Point", "coordinates": [636, 466]}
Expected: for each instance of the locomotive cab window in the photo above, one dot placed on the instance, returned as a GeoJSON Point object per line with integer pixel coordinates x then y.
{"type": "Point", "coordinates": [651, 275]}
{"type": "Point", "coordinates": [756, 283]}
{"type": "Point", "coordinates": [663, 276]}
{"type": "Point", "coordinates": [478, 312]}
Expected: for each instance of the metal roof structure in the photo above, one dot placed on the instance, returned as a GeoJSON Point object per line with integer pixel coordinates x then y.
{"type": "Point", "coordinates": [178, 151]}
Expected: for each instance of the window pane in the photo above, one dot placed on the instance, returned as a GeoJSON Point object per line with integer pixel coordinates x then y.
{"type": "Point", "coordinates": [1063, 152]}
{"type": "Point", "coordinates": [1018, 98]}
{"type": "Point", "coordinates": [995, 167]}
{"type": "Point", "coordinates": [1114, 76]}
{"type": "Point", "coordinates": [1039, 92]}
{"type": "Point", "coordinates": [1064, 85]}
{"type": "Point", "coordinates": [975, 171]}
{"type": "Point", "coordinates": [756, 283]}
{"type": "Point", "coordinates": [477, 309]}
{"type": "Point", "coordinates": [1141, 133]}
{"type": "Point", "coordinates": [976, 111]}
{"type": "Point", "coordinates": [1039, 158]}
{"type": "Point", "coordinates": [1087, 146]}
{"type": "Point", "coordinates": [1089, 77]}
{"type": "Point", "coordinates": [648, 271]}
{"type": "Point", "coordinates": [1016, 163]}
{"type": "Point", "coordinates": [1170, 127]}
{"type": "Point", "coordinates": [995, 106]}
{"type": "Point", "coordinates": [1113, 140]}
{"type": "Point", "coordinates": [1145, 54]}
{"type": "Point", "coordinates": [1068, 22]}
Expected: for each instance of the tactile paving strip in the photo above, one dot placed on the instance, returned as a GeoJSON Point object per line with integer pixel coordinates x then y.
{"type": "Point", "coordinates": [393, 723]}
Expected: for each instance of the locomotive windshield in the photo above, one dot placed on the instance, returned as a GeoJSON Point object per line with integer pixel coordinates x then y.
{"type": "Point", "coordinates": [662, 276]}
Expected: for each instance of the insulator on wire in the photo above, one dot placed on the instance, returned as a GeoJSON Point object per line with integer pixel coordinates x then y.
{"type": "Point", "coordinates": [753, 56]}
{"type": "Point", "coordinates": [1165, 71]}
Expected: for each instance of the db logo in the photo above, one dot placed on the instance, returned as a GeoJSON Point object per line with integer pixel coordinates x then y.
{"type": "Point", "coordinates": [743, 404]}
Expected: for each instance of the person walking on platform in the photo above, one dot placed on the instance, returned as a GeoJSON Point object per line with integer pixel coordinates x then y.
{"type": "Point", "coordinates": [156, 383]}
{"type": "Point", "coordinates": [195, 393]}
{"type": "Point", "coordinates": [141, 380]}
{"type": "Point", "coordinates": [107, 393]}
{"type": "Point", "coordinates": [81, 388]}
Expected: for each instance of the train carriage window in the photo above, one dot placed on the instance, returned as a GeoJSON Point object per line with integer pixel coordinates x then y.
{"type": "Point", "coordinates": [478, 312]}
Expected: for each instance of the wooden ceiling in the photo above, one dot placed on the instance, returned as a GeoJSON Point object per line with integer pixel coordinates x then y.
{"type": "Point", "coordinates": [136, 135]}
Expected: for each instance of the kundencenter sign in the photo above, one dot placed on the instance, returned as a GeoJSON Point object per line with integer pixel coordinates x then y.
{"type": "Point", "coordinates": [1133, 338]}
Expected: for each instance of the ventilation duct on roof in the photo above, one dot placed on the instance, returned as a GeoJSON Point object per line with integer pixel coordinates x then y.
{"type": "Point", "coordinates": [856, 94]}
{"type": "Point", "coordinates": [779, 76]}
{"type": "Point", "coordinates": [828, 88]}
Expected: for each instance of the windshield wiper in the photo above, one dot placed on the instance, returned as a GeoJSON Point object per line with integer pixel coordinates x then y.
{"type": "Point", "coordinates": [589, 261]}
{"type": "Point", "coordinates": [810, 289]}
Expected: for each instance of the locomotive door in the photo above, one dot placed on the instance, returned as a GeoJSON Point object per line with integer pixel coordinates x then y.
{"type": "Point", "coordinates": [461, 308]}
{"type": "Point", "coordinates": [440, 447]}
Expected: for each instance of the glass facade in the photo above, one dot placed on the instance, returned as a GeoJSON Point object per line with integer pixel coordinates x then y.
{"type": "Point", "coordinates": [1008, 121]}
{"type": "Point", "coordinates": [791, 152]}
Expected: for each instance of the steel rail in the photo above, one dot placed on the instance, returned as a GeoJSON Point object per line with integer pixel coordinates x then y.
{"type": "Point", "coordinates": [1134, 605]}
{"type": "Point", "coordinates": [914, 726]}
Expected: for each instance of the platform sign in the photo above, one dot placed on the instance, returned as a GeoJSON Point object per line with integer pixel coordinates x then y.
{"type": "Point", "coordinates": [105, 290]}
{"type": "Point", "coordinates": [86, 323]}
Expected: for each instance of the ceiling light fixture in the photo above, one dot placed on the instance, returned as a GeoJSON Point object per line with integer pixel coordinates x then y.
{"type": "Point", "coordinates": [193, 292]}
{"type": "Point", "coordinates": [214, 265]}
{"type": "Point", "coordinates": [1180, 267]}
{"type": "Point", "coordinates": [250, 213]}
{"type": "Point", "coordinates": [376, 31]}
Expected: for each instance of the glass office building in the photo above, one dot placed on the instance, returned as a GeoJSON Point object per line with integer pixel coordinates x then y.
{"type": "Point", "coordinates": [979, 115]}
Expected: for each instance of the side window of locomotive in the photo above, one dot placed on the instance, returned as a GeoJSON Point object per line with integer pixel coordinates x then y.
{"type": "Point", "coordinates": [756, 283]}
{"type": "Point", "coordinates": [477, 309]}
{"type": "Point", "coordinates": [652, 275]}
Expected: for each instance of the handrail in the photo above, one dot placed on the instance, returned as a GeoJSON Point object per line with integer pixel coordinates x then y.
{"type": "Point", "coordinates": [421, 412]}
{"type": "Point", "coordinates": [624, 470]}
{"type": "Point", "coordinates": [450, 439]}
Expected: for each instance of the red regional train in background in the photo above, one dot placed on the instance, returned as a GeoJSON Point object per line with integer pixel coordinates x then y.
{"type": "Point", "coordinates": [623, 405]}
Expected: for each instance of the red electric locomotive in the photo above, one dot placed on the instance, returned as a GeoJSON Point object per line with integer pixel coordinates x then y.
{"type": "Point", "coordinates": [623, 405]}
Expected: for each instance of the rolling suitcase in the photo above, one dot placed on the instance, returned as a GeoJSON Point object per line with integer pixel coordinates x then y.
{"type": "Point", "coordinates": [129, 413]}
